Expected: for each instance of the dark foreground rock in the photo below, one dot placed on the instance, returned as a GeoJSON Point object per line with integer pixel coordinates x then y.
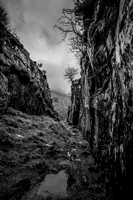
{"type": "Point", "coordinates": [106, 103]}
{"type": "Point", "coordinates": [32, 147]}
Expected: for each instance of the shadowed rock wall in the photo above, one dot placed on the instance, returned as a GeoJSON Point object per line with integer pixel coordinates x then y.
{"type": "Point", "coordinates": [23, 85]}
{"type": "Point", "coordinates": [106, 107]}
{"type": "Point", "coordinates": [74, 109]}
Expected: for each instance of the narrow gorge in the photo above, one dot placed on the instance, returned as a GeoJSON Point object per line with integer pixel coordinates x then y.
{"type": "Point", "coordinates": [89, 156]}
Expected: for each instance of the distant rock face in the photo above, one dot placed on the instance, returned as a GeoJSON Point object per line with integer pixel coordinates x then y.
{"type": "Point", "coordinates": [23, 85]}
{"type": "Point", "coordinates": [106, 107]}
{"type": "Point", "coordinates": [61, 102]}
{"type": "Point", "coordinates": [74, 109]}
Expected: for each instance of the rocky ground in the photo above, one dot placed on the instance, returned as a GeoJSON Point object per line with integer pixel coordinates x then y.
{"type": "Point", "coordinates": [32, 147]}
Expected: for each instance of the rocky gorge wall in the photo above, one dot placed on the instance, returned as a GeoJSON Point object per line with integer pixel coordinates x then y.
{"type": "Point", "coordinates": [23, 85]}
{"type": "Point", "coordinates": [74, 109]}
{"type": "Point", "coordinates": [106, 105]}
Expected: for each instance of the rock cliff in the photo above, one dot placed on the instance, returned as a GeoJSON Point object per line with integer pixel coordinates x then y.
{"type": "Point", "coordinates": [74, 109]}
{"type": "Point", "coordinates": [106, 106]}
{"type": "Point", "coordinates": [23, 85]}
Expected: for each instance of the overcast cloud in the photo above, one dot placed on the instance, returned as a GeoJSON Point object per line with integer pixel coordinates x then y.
{"type": "Point", "coordinates": [34, 21]}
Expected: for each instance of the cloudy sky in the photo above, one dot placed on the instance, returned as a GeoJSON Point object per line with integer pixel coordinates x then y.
{"type": "Point", "coordinates": [34, 21]}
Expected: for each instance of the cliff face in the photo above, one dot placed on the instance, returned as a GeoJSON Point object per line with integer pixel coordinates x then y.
{"type": "Point", "coordinates": [106, 108]}
{"type": "Point", "coordinates": [74, 109]}
{"type": "Point", "coordinates": [23, 85]}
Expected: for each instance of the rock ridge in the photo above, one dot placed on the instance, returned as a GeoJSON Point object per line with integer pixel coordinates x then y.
{"type": "Point", "coordinates": [23, 85]}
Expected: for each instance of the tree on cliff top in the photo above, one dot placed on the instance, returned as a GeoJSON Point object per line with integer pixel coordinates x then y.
{"type": "Point", "coordinates": [70, 73]}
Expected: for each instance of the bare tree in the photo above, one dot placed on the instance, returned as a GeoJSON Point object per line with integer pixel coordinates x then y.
{"type": "Point", "coordinates": [71, 24]}
{"type": "Point", "coordinates": [70, 73]}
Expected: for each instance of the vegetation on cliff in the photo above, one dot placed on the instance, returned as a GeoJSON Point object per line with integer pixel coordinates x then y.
{"type": "Point", "coordinates": [4, 20]}
{"type": "Point", "coordinates": [70, 73]}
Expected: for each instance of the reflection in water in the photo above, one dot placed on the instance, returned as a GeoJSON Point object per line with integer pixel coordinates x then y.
{"type": "Point", "coordinates": [54, 184]}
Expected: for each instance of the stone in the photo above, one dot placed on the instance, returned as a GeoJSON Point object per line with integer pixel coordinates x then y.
{"type": "Point", "coordinates": [4, 94]}
{"type": "Point", "coordinates": [105, 109]}
{"type": "Point", "coordinates": [74, 109]}
{"type": "Point", "coordinates": [23, 86]}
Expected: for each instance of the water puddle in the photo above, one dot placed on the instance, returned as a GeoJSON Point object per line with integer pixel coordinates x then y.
{"type": "Point", "coordinates": [54, 185]}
